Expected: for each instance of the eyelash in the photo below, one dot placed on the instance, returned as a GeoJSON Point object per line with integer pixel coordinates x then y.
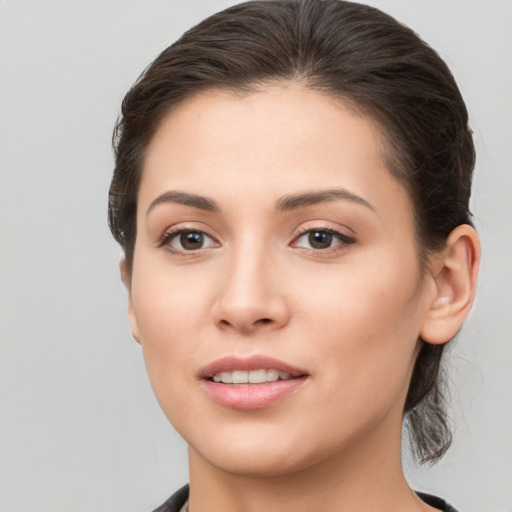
{"type": "Point", "coordinates": [169, 236]}
{"type": "Point", "coordinates": [343, 240]}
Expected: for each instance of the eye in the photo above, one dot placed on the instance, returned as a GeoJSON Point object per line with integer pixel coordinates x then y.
{"type": "Point", "coordinates": [186, 240]}
{"type": "Point", "coordinates": [321, 239]}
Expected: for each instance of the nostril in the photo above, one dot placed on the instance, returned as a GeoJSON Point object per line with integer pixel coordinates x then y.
{"type": "Point", "coordinates": [248, 326]}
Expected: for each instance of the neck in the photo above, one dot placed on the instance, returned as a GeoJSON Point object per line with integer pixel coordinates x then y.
{"type": "Point", "coordinates": [366, 477]}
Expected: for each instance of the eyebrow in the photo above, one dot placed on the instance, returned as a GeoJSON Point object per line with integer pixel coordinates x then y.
{"type": "Point", "coordinates": [199, 202]}
{"type": "Point", "coordinates": [295, 201]}
{"type": "Point", "coordinates": [286, 203]}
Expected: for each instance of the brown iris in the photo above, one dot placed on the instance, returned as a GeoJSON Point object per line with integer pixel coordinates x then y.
{"type": "Point", "coordinates": [320, 239]}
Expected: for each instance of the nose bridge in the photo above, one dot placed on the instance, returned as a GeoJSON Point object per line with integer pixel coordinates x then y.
{"type": "Point", "coordinates": [249, 296]}
{"type": "Point", "coordinates": [249, 276]}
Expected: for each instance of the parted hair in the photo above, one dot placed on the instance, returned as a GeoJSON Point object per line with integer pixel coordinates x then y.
{"type": "Point", "coordinates": [353, 52]}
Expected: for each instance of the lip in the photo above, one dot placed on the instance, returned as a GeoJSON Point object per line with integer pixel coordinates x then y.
{"type": "Point", "coordinates": [250, 396]}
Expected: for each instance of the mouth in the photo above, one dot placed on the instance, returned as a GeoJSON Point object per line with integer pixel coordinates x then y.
{"type": "Point", "coordinates": [251, 377]}
{"type": "Point", "coordinates": [253, 383]}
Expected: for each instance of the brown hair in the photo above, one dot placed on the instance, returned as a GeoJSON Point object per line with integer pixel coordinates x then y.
{"type": "Point", "coordinates": [349, 51]}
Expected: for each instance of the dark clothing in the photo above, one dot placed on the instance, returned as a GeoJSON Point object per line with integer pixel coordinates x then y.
{"type": "Point", "coordinates": [435, 502]}
{"type": "Point", "coordinates": [178, 499]}
{"type": "Point", "coordinates": [175, 502]}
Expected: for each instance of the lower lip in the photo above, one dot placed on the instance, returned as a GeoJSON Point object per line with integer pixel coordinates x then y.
{"type": "Point", "coordinates": [251, 396]}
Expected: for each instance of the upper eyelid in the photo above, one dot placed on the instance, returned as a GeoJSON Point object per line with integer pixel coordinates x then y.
{"type": "Point", "coordinates": [186, 225]}
{"type": "Point", "coordinates": [335, 232]}
{"type": "Point", "coordinates": [325, 226]}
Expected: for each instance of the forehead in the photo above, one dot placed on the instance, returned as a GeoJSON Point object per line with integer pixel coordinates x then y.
{"type": "Point", "coordinates": [281, 139]}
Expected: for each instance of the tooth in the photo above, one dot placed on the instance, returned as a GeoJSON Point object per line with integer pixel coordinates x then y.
{"type": "Point", "coordinates": [240, 377]}
{"type": "Point", "coordinates": [252, 377]}
{"type": "Point", "coordinates": [257, 376]}
{"type": "Point", "coordinates": [272, 375]}
{"type": "Point", "coordinates": [226, 377]}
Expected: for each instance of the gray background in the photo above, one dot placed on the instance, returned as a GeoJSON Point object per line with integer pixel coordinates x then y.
{"type": "Point", "coordinates": [80, 429]}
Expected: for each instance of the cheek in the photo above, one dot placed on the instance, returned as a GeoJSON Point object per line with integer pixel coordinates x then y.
{"type": "Point", "coordinates": [379, 296]}
{"type": "Point", "coordinates": [364, 325]}
{"type": "Point", "coordinates": [169, 310]}
{"type": "Point", "coordinates": [167, 300]}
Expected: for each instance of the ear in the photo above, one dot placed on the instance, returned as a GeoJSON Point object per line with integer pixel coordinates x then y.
{"type": "Point", "coordinates": [126, 279]}
{"type": "Point", "coordinates": [455, 271]}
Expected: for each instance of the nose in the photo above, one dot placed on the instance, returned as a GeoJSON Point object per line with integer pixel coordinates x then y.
{"type": "Point", "coordinates": [251, 298]}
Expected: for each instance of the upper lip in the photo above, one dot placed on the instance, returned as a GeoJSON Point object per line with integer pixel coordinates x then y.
{"type": "Point", "coordinates": [259, 362]}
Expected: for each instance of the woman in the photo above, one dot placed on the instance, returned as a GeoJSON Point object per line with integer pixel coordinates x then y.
{"type": "Point", "coordinates": [291, 193]}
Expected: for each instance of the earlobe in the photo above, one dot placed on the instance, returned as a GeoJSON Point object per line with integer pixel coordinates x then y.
{"type": "Point", "coordinates": [124, 273]}
{"type": "Point", "coordinates": [126, 279]}
{"type": "Point", "coordinates": [455, 271]}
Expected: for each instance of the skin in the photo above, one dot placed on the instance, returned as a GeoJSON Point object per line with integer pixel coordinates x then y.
{"type": "Point", "coordinates": [349, 314]}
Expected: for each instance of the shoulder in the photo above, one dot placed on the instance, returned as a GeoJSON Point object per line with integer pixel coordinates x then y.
{"type": "Point", "coordinates": [436, 502]}
{"type": "Point", "coordinates": [175, 502]}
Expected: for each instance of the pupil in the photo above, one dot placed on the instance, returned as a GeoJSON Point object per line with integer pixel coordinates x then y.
{"type": "Point", "coordinates": [192, 240]}
{"type": "Point", "coordinates": [320, 239]}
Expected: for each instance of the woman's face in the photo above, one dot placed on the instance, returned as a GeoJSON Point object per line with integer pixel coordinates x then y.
{"type": "Point", "coordinates": [273, 243]}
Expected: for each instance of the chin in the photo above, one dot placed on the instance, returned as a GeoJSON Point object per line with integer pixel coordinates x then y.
{"type": "Point", "coordinates": [265, 452]}
{"type": "Point", "coordinates": [259, 462]}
